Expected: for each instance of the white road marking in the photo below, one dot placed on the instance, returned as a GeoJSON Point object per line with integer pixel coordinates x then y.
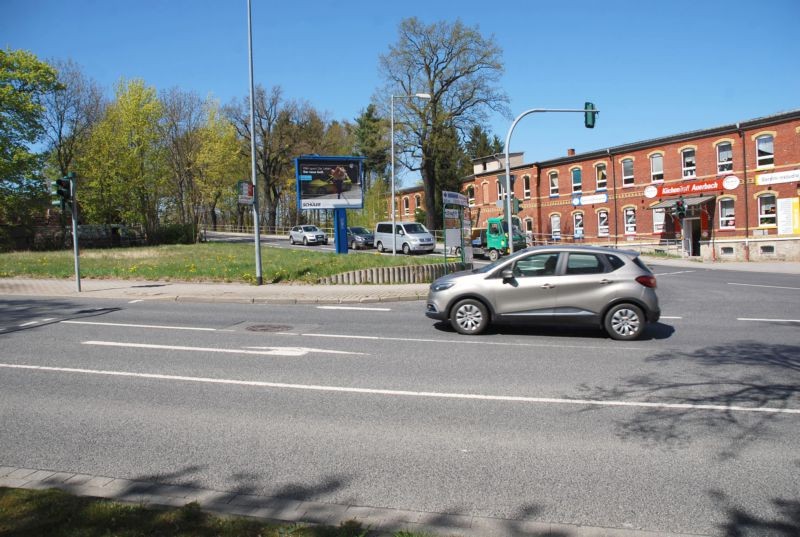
{"type": "Point", "coordinates": [30, 323]}
{"type": "Point", "coordinates": [665, 317]}
{"type": "Point", "coordinates": [407, 393]}
{"type": "Point", "coordinates": [265, 351]}
{"type": "Point", "coordinates": [466, 341]}
{"type": "Point", "coordinates": [671, 273]}
{"type": "Point", "coordinates": [768, 286]}
{"type": "Point", "coordinates": [351, 308]}
{"type": "Point", "coordinates": [130, 325]}
{"type": "Point", "coordinates": [135, 301]}
{"type": "Point", "coordinates": [770, 320]}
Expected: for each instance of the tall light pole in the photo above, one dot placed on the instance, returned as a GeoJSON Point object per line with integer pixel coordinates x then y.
{"type": "Point", "coordinates": [418, 96]}
{"type": "Point", "coordinates": [256, 232]}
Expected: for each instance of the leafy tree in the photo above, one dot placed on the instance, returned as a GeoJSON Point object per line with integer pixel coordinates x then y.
{"type": "Point", "coordinates": [121, 178]}
{"type": "Point", "coordinates": [24, 81]}
{"type": "Point", "coordinates": [371, 141]}
{"type": "Point", "coordinates": [459, 68]}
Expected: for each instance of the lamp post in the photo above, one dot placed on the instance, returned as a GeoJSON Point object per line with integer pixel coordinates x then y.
{"type": "Point", "coordinates": [256, 230]}
{"type": "Point", "coordinates": [418, 96]}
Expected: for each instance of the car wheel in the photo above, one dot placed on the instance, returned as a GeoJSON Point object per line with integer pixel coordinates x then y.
{"type": "Point", "coordinates": [458, 252]}
{"type": "Point", "coordinates": [379, 247]}
{"type": "Point", "coordinates": [469, 317]}
{"type": "Point", "coordinates": [494, 255]}
{"type": "Point", "coordinates": [353, 245]}
{"type": "Point", "coordinates": [624, 322]}
{"type": "Point", "coordinates": [305, 241]}
{"type": "Point", "coordinates": [406, 248]}
{"type": "Point", "coordinates": [291, 239]}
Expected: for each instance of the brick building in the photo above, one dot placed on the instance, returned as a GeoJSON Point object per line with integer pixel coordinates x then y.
{"type": "Point", "coordinates": [728, 192]}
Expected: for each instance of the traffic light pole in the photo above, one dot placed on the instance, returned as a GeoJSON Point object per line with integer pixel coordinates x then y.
{"type": "Point", "coordinates": [509, 220]}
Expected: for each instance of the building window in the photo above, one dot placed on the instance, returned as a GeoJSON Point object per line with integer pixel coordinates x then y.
{"type": "Point", "coordinates": [726, 214]}
{"type": "Point", "coordinates": [765, 151]}
{"type": "Point", "coordinates": [485, 193]}
{"type": "Point", "coordinates": [576, 180]}
{"type": "Point", "coordinates": [656, 168]}
{"type": "Point", "coordinates": [526, 186]}
{"type": "Point", "coordinates": [630, 220]}
{"type": "Point", "coordinates": [689, 163]}
{"type": "Point", "coordinates": [405, 206]}
{"type": "Point", "coordinates": [499, 190]}
{"type": "Point", "coordinates": [658, 220]}
{"type": "Point", "coordinates": [529, 225]}
{"type": "Point", "coordinates": [602, 178]}
{"type": "Point", "coordinates": [577, 225]}
{"type": "Point", "coordinates": [627, 172]}
{"type": "Point", "coordinates": [553, 183]}
{"type": "Point", "coordinates": [555, 227]}
{"type": "Point", "coordinates": [766, 210]}
{"type": "Point", "coordinates": [602, 224]}
{"type": "Point", "coordinates": [471, 195]}
{"type": "Point", "coordinates": [724, 157]}
{"type": "Point", "coordinates": [417, 201]}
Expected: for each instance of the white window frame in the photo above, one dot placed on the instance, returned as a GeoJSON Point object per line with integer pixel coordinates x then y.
{"type": "Point", "coordinates": [555, 227]}
{"type": "Point", "coordinates": [576, 188]}
{"type": "Point", "coordinates": [578, 223]}
{"type": "Point", "coordinates": [602, 223]}
{"type": "Point", "coordinates": [659, 217]}
{"type": "Point", "coordinates": [526, 187]}
{"type": "Point", "coordinates": [597, 170]}
{"type": "Point", "coordinates": [689, 170]}
{"type": "Point", "coordinates": [724, 166]}
{"type": "Point", "coordinates": [552, 177]}
{"type": "Point", "coordinates": [657, 175]}
{"type": "Point", "coordinates": [629, 217]}
{"type": "Point", "coordinates": [767, 161]}
{"type": "Point", "coordinates": [471, 195]}
{"type": "Point", "coordinates": [767, 217]}
{"type": "Point", "coordinates": [628, 180]}
{"type": "Point", "coordinates": [499, 190]}
{"type": "Point", "coordinates": [727, 219]}
{"type": "Point", "coordinates": [406, 209]}
{"type": "Point", "coordinates": [485, 192]}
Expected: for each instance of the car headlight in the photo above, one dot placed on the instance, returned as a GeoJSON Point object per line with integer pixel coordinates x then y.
{"type": "Point", "coordinates": [441, 286]}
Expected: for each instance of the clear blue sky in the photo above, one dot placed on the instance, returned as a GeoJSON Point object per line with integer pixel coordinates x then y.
{"type": "Point", "coordinates": [652, 68]}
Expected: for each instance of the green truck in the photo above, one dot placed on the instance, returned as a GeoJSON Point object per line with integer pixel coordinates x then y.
{"type": "Point", "coordinates": [492, 241]}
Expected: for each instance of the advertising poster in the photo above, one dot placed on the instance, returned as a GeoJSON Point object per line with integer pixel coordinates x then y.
{"type": "Point", "coordinates": [329, 182]}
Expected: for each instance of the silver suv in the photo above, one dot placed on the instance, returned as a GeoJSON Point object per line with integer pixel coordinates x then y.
{"type": "Point", "coordinates": [307, 235]}
{"type": "Point", "coordinates": [561, 284]}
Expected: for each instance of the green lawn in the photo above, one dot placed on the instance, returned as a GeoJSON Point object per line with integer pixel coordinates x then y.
{"type": "Point", "coordinates": [55, 513]}
{"type": "Point", "coordinates": [213, 261]}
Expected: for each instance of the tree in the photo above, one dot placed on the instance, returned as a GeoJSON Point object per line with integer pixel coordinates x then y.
{"type": "Point", "coordinates": [122, 174]}
{"type": "Point", "coordinates": [371, 141]}
{"type": "Point", "coordinates": [479, 145]}
{"type": "Point", "coordinates": [24, 81]}
{"type": "Point", "coordinates": [70, 113]}
{"type": "Point", "coordinates": [459, 68]}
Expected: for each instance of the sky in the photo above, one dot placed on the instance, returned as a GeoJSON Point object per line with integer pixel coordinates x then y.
{"type": "Point", "coordinates": [652, 68]}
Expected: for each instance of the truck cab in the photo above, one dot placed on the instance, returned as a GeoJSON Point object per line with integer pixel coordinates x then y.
{"type": "Point", "coordinates": [492, 241]}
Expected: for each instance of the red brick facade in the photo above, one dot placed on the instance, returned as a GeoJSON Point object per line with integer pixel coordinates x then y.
{"type": "Point", "coordinates": [730, 189]}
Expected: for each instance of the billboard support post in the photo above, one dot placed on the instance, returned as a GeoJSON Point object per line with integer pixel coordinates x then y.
{"type": "Point", "coordinates": [340, 230]}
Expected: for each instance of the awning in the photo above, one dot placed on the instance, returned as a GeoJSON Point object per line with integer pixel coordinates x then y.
{"type": "Point", "coordinates": [689, 202]}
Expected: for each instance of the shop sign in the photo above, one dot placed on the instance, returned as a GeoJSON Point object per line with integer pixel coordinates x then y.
{"type": "Point", "coordinates": [590, 200]}
{"type": "Point", "coordinates": [245, 191]}
{"type": "Point", "coordinates": [454, 198]}
{"type": "Point", "coordinates": [778, 177]}
{"type": "Point", "coordinates": [730, 182]}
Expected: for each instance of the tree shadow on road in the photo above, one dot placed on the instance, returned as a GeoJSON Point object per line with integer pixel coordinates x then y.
{"type": "Point", "coordinates": [741, 523]}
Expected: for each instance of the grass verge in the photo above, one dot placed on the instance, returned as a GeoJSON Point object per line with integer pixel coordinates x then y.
{"type": "Point", "coordinates": [55, 513]}
{"type": "Point", "coordinates": [212, 261]}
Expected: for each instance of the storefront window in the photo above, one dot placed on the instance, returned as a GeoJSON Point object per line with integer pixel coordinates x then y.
{"type": "Point", "coordinates": [658, 220]}
{"type": "Point", "coordinates": [555, 227]}
{"type": "Point", "coordinates": [726, 214]}
{"type": "Point", "coordinates": [577, 225]}
{"type": "Point", "coordinates": [602, 224]}
{"type": "Point", "coordinates": [630, 221]}
{"type": "Point", "coordinates": [766, 210]}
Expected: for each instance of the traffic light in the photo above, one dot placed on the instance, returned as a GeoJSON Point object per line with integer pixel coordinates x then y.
{"type": "Point", "coordinates": [590, 115]}
{"type": "Point", "coordinates": [516, 205]}
{"type": "Point", "coordinates": [64, 189]}
{"type": "Point", "coordinates": [680, 208]}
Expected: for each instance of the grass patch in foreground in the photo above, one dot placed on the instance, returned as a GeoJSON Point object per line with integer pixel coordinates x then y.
{"type": "Point", "coordinates": [211, 261]}
{"type": "Point", "coordinates": [55, 513]}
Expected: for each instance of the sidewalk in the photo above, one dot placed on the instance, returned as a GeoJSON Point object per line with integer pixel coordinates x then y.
{"type": "Point", "coordinates": [298, 294]}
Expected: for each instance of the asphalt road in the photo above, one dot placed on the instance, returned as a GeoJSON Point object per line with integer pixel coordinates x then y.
{"type": "Point", "coordinates": [377, 405]}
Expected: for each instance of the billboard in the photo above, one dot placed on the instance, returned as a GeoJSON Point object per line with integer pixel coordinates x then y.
{"type": "Point", "coordinates": [329, 182]}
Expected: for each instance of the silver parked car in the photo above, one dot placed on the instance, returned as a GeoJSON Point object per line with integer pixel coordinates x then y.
{"type": "Point", "coordinates": [566, 285]}
{"type": "Point", "coordinates": [307, 235]}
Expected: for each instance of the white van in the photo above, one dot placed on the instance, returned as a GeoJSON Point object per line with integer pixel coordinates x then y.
{"type": "Point", "coordinates": [410, 237]}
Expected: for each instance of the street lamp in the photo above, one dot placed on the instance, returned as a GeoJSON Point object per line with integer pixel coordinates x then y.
{"type": "Point", "coordinates": [418, 96]}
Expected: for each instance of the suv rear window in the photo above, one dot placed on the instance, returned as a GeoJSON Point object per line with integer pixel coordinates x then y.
{"type": "Point", "coordinates": [616, 262]}
{"type": "Point", "coordinates": [584, 264]}
{"type": "Point", "coordinates": [641, 264]}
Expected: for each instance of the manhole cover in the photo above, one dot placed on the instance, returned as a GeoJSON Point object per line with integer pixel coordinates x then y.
{"type": "Point", "coordinates": [269, 327]}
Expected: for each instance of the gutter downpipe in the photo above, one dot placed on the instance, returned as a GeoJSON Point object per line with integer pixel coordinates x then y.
{"type": "Point", "coordinates": [746, 196]}
{"type": "Point", "coordinates": [614, 182]}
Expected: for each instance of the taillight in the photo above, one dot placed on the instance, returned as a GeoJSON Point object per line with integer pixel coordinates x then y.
{"type": "Point", "coordinates": [647, 281]}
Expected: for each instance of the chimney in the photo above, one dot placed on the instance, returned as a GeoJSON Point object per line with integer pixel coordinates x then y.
{"type": "Point", "coordinates": [570, 152]}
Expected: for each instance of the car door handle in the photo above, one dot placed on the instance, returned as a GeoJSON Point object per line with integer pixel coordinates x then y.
{"type": "Point", "coordinates": [548, 286]}
{"type": "Point", "coordinates": [604, 281]}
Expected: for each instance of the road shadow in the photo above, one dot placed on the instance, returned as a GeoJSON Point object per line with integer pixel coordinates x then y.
{"type": "Point", "coordinates": [745, 374]}
{"type": "Point", "coordinates": [17, 315]}
{"type": "Point", "coordinates": [741, 523]}
{"type": "Point", "coordinates": [654, 331]}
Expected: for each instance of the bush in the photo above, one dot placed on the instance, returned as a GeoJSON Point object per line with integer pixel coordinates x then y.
{"type": "Point", "coordinates": [172, 234]}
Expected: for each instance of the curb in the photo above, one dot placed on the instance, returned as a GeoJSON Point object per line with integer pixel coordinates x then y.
{"type": "Point", "coordinates": [379, 521]}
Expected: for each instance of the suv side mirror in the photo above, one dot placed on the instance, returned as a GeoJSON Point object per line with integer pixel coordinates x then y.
{"type": "Point", "coordinates": [507, 274]}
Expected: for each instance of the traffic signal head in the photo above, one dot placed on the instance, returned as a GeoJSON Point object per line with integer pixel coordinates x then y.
{"type": "Point", "coordinates": [590, 115]}
{"type": "Point", "coordinates": [64, 189]}
{"type": "Point", "coordinates": [680, 208]}
{"type": "Point", "coordinates": [515, 205]}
